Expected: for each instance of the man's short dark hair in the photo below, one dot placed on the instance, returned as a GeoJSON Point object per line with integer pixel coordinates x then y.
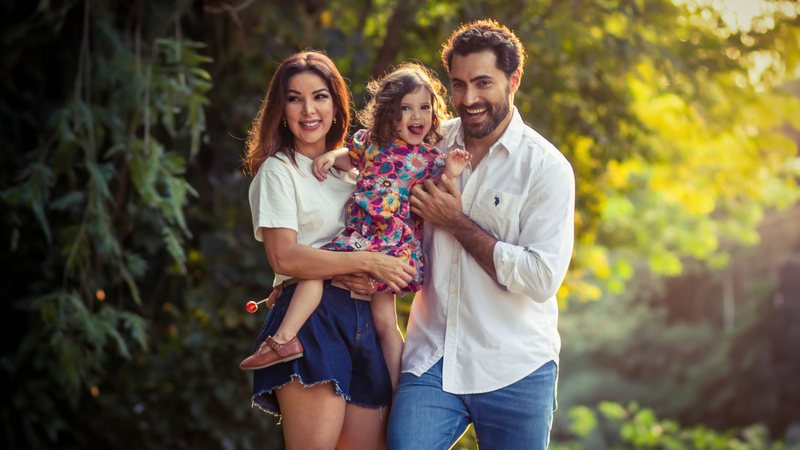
{"type": "Point", "coordinates": [481, 35]}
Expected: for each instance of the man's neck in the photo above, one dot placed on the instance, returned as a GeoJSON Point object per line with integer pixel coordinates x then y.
{"type": "Point", "coordinates": [479, 147]}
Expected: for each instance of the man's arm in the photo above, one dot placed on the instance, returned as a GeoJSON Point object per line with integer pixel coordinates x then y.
{"type": "Point", "coordinates": [441, 206]}
{"type": "Point", "coordinates": [537, 263]}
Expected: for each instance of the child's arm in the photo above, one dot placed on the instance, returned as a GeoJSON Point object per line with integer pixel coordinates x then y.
{"type": "Point", "coordinates": [457, 159]}
{"type": "Point", "coordinates": [338, 158]}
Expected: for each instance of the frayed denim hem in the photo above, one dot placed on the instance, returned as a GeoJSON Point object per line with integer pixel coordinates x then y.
{"type": "Point", "coordinates": [294, 376]}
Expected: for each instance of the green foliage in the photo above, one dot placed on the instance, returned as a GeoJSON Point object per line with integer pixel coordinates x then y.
{"type": "Point", "coordinates": [105, 186]}
{"type": "Point", "coordinates": [690, 122]}
{"type": "Point", "coordinates": [612, 426]}
{"type": "Point", "coordinates": [685, 354]}
{"type": "Point", "coordinates": [130, 249]}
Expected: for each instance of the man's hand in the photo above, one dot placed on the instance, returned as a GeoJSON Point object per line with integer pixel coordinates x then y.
{"type": "Point", "coordinates": [360, 283]}
{"type": "Point", "coordinates": [439, 205]}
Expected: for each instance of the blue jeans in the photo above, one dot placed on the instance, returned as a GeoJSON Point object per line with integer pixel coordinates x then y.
{"type": "Point", "coordinates": [519, 416]}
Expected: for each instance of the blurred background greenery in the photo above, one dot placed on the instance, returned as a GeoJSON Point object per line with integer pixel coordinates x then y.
{"type": "Point", "coordinates": [128, 248]}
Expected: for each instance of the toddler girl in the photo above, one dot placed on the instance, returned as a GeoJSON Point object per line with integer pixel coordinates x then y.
{"type": "Point", "coordinates": [392, 155]}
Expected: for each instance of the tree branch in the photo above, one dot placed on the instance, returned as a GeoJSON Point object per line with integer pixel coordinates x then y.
{"type": "Point", "coordinates": [225, 8]}
{"type": "Point", "coordinates": [403, 12]}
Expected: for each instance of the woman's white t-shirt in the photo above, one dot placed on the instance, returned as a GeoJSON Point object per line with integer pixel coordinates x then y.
{"type": "Point", "coordinates": [285, 196]}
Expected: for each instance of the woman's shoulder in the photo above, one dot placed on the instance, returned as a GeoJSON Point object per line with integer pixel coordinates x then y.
{"type": "Point", "coordinates": [273, 170]}
{"type": "Point", "coordinates": [279, 164]}
{"type": "Point", "coordinates": [277, 161]}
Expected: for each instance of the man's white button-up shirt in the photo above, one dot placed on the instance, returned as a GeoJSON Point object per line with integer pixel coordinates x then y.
{"type": "Point", "coordinates": [493, 334]}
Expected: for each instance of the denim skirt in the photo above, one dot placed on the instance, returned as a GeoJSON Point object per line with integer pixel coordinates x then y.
{"type": "Point", "coordinates": [340, 347]}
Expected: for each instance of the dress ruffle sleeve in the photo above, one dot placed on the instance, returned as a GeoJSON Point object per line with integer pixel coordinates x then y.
{"type": "Point", "coordinates": [356, 146]}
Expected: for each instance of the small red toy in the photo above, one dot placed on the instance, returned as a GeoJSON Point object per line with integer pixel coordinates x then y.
{"type": "Point", "coordinates": [252, 306]}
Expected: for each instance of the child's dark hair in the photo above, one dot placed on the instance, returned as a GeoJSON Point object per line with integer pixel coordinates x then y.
{"type": "Point", "coordinates": [481, 35]}
{"type": "Point", "coordinates": [382, 113]}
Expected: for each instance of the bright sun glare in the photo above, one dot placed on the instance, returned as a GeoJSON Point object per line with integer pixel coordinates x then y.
{"type": "Point", "coordinates": [743, 15]}
{"type": "Point", "coordinates": [746, 16]}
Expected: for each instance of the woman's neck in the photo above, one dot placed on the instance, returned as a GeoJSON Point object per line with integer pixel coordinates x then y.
{"type": "Point", "coordinates": [309, 151]}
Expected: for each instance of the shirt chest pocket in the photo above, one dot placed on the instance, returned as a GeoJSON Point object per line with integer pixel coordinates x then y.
{"type": "Point", "coordinates": [497, 212]}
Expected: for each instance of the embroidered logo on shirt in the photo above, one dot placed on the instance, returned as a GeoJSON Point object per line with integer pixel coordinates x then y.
{"type": "Point", "coordinates": [496, 200]}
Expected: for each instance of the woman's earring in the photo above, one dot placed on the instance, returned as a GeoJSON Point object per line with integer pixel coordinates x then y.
{"type": "Point", "coordinates": [284, 123]}
{"type": "Point", "coordinates": [334, 119]}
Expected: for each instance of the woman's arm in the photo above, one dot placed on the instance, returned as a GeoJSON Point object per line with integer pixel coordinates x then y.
{"type": "Point", "coordinates": [288, 257]}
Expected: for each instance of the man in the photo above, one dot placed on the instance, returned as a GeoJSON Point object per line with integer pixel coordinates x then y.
{"type": "Point", "coordinates": [482, 344]}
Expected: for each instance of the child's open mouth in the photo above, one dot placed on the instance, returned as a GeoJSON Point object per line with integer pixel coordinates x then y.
{"type": "Point", "coordinates": [416, 130]}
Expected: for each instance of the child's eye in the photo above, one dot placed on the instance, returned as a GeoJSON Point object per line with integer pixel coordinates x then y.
{"type": "Point", "coordinates": [405, 108]}
{"type": "Point", "coordinates": [426, 107]}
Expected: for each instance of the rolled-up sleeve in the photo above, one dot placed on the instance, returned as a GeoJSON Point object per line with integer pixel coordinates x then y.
{"type": "Point", "coordinates": [537, 264]}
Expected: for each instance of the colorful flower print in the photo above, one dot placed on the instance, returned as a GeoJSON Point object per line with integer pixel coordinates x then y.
{"type": "Point", "coordinates": [416, 163]}
{"type": "Point", "coordinates": [391, 202]}
{"type": "Point", "coordinates": [372, 152]}
{"type": "Point", "coordinates": [379, 217]}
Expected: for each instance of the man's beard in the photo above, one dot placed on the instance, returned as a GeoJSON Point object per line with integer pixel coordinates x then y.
{"type": "Point", "coordinates": [495, 114]}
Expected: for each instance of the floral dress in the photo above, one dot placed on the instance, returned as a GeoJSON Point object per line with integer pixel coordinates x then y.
{"type": "Point", "coordinates": [379, 218]}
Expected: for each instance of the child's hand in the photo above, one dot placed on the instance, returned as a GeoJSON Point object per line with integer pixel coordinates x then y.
{"type": "Point", "coordinates": [322, 164]}
{"type": "Point", "coordinates": [457, 159]}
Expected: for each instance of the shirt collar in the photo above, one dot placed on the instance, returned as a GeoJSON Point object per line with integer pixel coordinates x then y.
{"type": "Point", "coordinates": [510, 139]}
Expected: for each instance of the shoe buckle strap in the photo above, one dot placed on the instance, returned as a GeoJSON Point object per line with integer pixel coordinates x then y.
{"type": "Point", "coordinates": [263, 347]}
{"type": "Point", "coordinates": [278, 348]}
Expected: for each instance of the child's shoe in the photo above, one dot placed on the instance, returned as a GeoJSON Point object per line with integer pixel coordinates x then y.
{"type": "Point", "coordinates": [271, 352]}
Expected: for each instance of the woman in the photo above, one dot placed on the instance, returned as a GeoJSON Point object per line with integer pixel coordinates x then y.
{"type": "Point", "coordinates": [333, 396]}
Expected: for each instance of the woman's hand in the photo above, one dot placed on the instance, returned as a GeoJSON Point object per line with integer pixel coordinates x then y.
{"type": "Point", "coordinates": [360, 283]}
{"type": "Point", "coordinates": [393, 271]}
{"type": "Point", "coordinates": [322, 164]}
